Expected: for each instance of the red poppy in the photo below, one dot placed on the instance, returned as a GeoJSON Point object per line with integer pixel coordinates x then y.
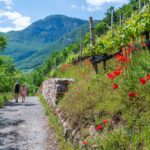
{"type": "Point", "coordinates": [132, 48]}
{"type": "Point", "coordinates": [148, 77]}
{"type": "Point", "coordinates": [132, 94]}
{"type": "Point", "coordinates": [143, 36]}
{"type": "Point", "coordinates": [130, 43]}
{"type": "Point", "coordinates": [115, 86]}
{"type": "Point", "coordinates": [99, 127]}
{"type": "Point", "coordinates": [143, 44]}
{"type": "Point", "coordinates": [84, 142]}
{"type": "Point", "coordinates": [119, 57]}
{"type": "Point", "coordinates": [142, 80]}
{"type": "Point", "coordinates": [123, 49]}
{"type": "Point", "coordinates": [105, 121]}
{"type": "Point", "coordinates": [127, 60]}
{"type": "Point", "coordinates": [110, 76]}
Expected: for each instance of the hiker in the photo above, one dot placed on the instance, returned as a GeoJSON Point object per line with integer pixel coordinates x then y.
{"type": "Point", "coordinates": [16, 90]}
{"type": "Point", "coordinates": [23, 92]}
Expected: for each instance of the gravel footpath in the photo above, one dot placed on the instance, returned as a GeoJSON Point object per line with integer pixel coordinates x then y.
{"type": "Point", "coordinates": [23, 126]}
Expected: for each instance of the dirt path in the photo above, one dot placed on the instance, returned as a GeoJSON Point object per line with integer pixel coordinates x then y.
{"type": "Point", "coordinates": [23, 126]}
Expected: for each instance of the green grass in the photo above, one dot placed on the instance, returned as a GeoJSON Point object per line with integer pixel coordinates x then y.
{"type": "Point", "coordinates": [5, 97]}
{"type": "Point", "coordinates": [92, 98]}
{"type": "Point", "coordinates": [56, 126]}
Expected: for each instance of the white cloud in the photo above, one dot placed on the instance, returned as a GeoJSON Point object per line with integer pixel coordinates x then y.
{"type": "Point", "coordinates": [17, 20]}
{"type": "Point", "coordinates": [7, 2]}
{"type": "Point", "coordinates": [73, 6]}
{"type": "Point", "coordinates": [94, 5]}
{"type": "Point", "coordinates": [101, 2]}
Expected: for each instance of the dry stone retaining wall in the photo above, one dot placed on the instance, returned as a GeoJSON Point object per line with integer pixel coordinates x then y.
{"type": "Point", "coordinates": [54, 88]}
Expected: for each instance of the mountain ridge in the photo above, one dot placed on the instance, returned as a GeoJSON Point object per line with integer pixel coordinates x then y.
{"type": "Point", "coordinates": [41, 38]}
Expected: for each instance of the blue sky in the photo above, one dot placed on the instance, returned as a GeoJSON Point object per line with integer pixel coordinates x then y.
{"type": "Point", "coordinates": [18, 14]}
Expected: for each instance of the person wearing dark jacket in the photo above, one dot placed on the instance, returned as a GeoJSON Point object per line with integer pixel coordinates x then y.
{"type": "Point", "coordinates": [16, 91]}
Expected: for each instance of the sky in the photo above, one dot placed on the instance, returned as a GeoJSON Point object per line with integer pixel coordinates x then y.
{"type": "Point", "coordinates": [18, 14]}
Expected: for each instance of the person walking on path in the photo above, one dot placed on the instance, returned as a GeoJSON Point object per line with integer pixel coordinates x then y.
{"type": "Point", "coordinates": [23, 92]}
{"type": "Point", "coordinates": [16, 90]}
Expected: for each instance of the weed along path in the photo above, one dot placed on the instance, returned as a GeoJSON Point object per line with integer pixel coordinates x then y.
{"type": "Point", "coordinates": [23, 126]}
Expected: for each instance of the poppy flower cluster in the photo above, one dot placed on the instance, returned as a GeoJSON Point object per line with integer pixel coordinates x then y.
{"type": "Point", "coordinates": [132, 94]}
{"type": "Point", "coordinates": [64, 67]}
{"type": "Point", "coordinates": [105, 121]}
{"type": "Point", "coordinates": [130, 49]}
{"type": "Point", "coordinates": [115, 86]}
{"type": "Point", "coordinates": [145, 80]}
{"type": "Point", "coordinates": [143, 45]}
{"type": "Point", "coordinates": [142, 80]}
{"type": "Point", "coordinates": [84, 142]}
{"type": "Point", "coordinates": [147, 77]}
{"type": "Point", "coordinates": [115, 73]}
{"type": "Point", "coordinates": [122, 58]}
{"type": "Point", "coordinates": [100, 126]}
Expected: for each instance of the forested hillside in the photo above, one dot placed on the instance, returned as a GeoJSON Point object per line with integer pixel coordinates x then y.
{"type": "Point", "coordinates": [109, 109]}
{"type": "Point", "coordinates": [32, 45]}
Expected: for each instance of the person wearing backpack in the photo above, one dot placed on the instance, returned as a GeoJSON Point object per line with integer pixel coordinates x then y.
{"type": "Point", "coordinates": [16, 91]}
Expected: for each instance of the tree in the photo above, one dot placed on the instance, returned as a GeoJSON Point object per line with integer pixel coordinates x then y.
{"type": "Point", "coordinates": [3, 43]}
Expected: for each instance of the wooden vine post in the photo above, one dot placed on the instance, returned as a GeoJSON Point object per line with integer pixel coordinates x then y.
{"type": "Point", "coordinates": [92, 36]}
{"type": "Point", "coordinates": [112, 18]}
{"type": "Point", "coordinates": [139, 5]}
{"type": "Point", "coordinates": [92, 40]}
{"type": "Point", "coordinates": [81, 48]}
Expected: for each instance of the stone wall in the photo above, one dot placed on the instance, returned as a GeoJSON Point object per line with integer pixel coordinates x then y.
{"type": "Point", "coordinates": [54, 88]}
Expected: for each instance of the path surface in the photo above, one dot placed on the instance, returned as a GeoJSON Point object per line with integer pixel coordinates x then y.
{"type": "Point", "coordinates": [23, 126]}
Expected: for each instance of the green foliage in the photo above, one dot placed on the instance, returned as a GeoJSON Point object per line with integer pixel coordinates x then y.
{"type": "Point", "coordinates": [3, 43]}
{"type": "Point", "coordinates": [120, 36]}
{"type": "Point", "coordinates": [5, 97]}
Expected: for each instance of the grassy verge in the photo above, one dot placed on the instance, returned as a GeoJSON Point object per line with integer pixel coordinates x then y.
{"type": "Point", "coordinates": [56, 126]}
{"type": "Point", "coordinates": [97, 99]}
{"type": "Point", "coordinates": [4, 97]}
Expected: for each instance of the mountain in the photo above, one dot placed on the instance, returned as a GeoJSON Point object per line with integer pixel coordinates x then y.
{"type": "Point", "coordinates": [31, 46]}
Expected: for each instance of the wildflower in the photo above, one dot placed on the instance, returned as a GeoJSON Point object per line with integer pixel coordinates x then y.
{"type": "Point", "coordinates": [132, 48]}
{"type": "Point", "coordinates": [147, 77]}
{"type": "Point", "coordinates": [142, 80]}
{"type": "Point", "coordinates": [99, 127]}
{"type": "Point", "coordinates": [84, 142]}
{"type": "Point", "coordinates": [117, 72]}
{"type": "Point", "coordinates": [115, 86]}
{"type": "Point", "coordinates": [111, 76]}
{"type": "Point", "coordinates": [123, 49]}
{"type": "Point", "coordinates": [132, 94]}
{"type": "Point", "coordinates": [143, 44]}
{"type": "Point", "coordinates": [105, 121]}
{"type": "Point", "coordinates": [130, 43]}
{"type": "Point", "coordinates": [143, 36]}
{"type": "Point", "coordinates": [119, 57]}
{"type": "Point", "coordinates": [76, 93]}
